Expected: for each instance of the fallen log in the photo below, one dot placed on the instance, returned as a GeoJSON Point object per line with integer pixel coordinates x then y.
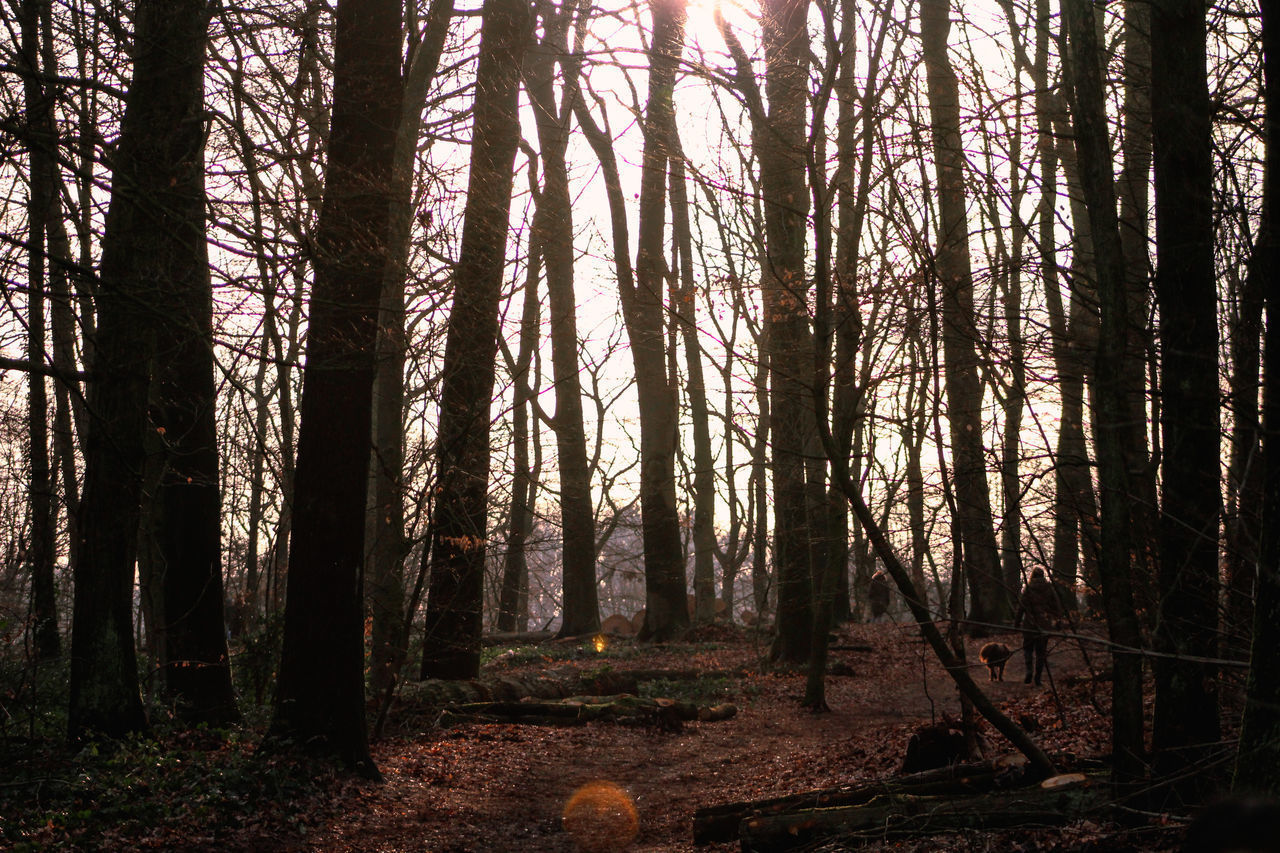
{"type": "Point", "coordinates": [667, 714]}
{"type": "Point", "coordinates": [432, 694]}
{"type": "Point", "coordinates": [517, 638]}
{"type": "Point", "coordinates": [720, 823]}
{"type": "Point", "coordinates": [909, 815]}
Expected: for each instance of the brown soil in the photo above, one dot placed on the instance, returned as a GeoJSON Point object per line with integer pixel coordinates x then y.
{"type": "Point", "coordinates": [505, 787]}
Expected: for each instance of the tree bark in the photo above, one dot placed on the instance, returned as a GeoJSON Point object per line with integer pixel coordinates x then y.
{"type": "Point", "coordinates": [186, 510]}
{"type": "Point", "coordinates": [780, 144]}
{"type": "Point", "coordinates": [666, 608]}
{"type": "Point", "coordinates": [1111, 408]}
{"type": "Point", "coordinates": [1258, 759]}
{"type": "Point", "coordinates": [907, 816]}
{"type": "Point", "coordinates": [990, 602]}
{"type": "Point", "coordinates": [704, 474]}
{"type": "Point", "coordinates": [151, 227]}
{"type": "Point", "coordinates": [389, 545]}
{"type": "Point", "coordinates": [41, 142]}
{"type": "Point", "coordinates": [458, 528]}
{"type": "Point", "coordinates": [1186, 721]}
{"type": "Point", "coordinates": [320, 690]}
{"type": "Point", "coordinates": [553, 223]}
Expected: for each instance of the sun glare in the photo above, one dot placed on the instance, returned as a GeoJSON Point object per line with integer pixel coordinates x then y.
{"type": "Point", "coordinates": [741, 16]}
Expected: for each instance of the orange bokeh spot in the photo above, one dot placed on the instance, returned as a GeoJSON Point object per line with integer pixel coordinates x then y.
{"type": "Point", "coordinates": [601, 817]}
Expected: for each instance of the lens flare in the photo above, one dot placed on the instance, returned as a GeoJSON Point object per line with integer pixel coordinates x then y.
{"type": "Point", "coordinates": [601, 818]}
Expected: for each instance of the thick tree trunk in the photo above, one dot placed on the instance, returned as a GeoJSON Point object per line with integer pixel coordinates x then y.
{"type": "Point", "coordinates": [1186, 723]}
{"type": "Point", "coordinates": [186, 511]}
{"type": "Point", "coordinates": [320, 690]}
{"type": "Point", "coordinates": [152, 224]}
{"type": "Point", "coordinates": [990, 602]}
{"type": "Point", "coordinates": [780, 147]}
{"type": "Point", "coordinates": [458, 529]}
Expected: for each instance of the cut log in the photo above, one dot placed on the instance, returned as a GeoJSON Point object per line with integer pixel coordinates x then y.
{"type": "Point", "coordinates": [908, 815]}
{"type": "Point", "coordinates": [721, 822]}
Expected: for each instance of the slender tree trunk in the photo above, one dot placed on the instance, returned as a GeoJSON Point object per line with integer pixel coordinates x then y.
{"type": "Point", "coordinates": [666, 608]}
{"type": "Point", "coordinates": [1258, 760]}
{"type": "Point", "coordinates": [320, 689]}
{"type": "Point", "coordinates": [69, 407]}
{"type": "Point", "coordinates": [1243, 518]}
{"type": "Point", "coordinates": [1075, 334]}
{"type": "Point", "coordinates": [704, 474]}
{"type": "Point", "coordinates": [42, 547]}
{"type": "Point", "coordinates": [515, 568]}
{"type": "Point", "coordinates": [554, 223]}
{"type": "Point", "coordinates": [1093, 151]}
{"type": "Point", "coordinates": [762, 586]}
{"type": "Point", "coordinates": [1186, 722]}
{"type": "Point", "coordinates": [389, 546]}
{"type": "Point", "coordinates": [1133, 190]}
{"type": "Point", "coordinates": [989, 601]}
{"type": "Point", "coordinates": [458, 528]}
{"type": "Point", "coordinates": [1066, 513]}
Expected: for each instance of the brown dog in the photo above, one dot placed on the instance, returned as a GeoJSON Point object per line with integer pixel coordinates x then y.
{"type": "Point", "coordinates": [995, 656]}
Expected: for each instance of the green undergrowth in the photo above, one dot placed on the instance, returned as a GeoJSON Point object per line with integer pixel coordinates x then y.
{"type": "Point", "coordinates": [703, 692]}
{"type": "Point", "coordinates": [167, 789]}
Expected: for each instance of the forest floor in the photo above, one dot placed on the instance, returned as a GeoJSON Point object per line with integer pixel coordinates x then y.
{"type": "Point", "coordinates": [504, 787]}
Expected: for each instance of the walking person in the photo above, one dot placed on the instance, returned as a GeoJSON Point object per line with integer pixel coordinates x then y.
{"type": "Point", "coordinates": [1038, 611]}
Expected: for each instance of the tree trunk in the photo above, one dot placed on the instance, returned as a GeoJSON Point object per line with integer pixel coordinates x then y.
{"type": "Point", "coordinates": [989, 600]}
{"type": "Point", "coordinates": [152, 225]}
{"type": "Point", "coordinates": [780, 147]}
{"type": "Point", "coordinates": [1258, 760]}
{"type": "Point", "coordinates": [1133, 191]}
{"type": "Point", "coordinates": [389, 546]}
{"type": "Point", "coordinates": [186, 509]}
{"type": "Point", "coordinates": [554, 226]}
{"type": "Point", "coordinates": [666, 608]}
{"type": "Point", "coordinates": [458, 534]}
{"type": "Point", "coordinates": [320, 689]}
{"type": "Point", "coordinates": [704, 474]}
{"type": "Point", "coordinates": [515, 566]}
{"type": "Point", "coordinates": [1186, 722]}
{"type": "Point", "coordinates": [41, 141]}
{"type": "Point", "coordinates": [1093, 152]}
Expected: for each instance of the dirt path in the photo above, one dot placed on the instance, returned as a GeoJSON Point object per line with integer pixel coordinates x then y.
{"type": "Point", "coordinates": [503, 788]}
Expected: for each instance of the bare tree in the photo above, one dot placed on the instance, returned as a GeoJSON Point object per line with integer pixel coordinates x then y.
{"type": "Point", "coordinates": [1093, 151]}
{"type": "Point", "coordinates": [1186, 723]}
{"type": "Point", "coordinates": [41, 137]}
{"type": "Point", "coordinates": [320, 688]}
{"type": "Point", "coordinates": [554, 224]}
{"type": "Point", "coordinates": [990, 601]}
{"type": "Point", "coordinates": [1258, 758]}
{"type": "Point", "coordinates": [458, 527]}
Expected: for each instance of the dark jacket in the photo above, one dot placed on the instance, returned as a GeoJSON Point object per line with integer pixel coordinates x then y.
{"type": "Point", "coordinates": [1038, 607]}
